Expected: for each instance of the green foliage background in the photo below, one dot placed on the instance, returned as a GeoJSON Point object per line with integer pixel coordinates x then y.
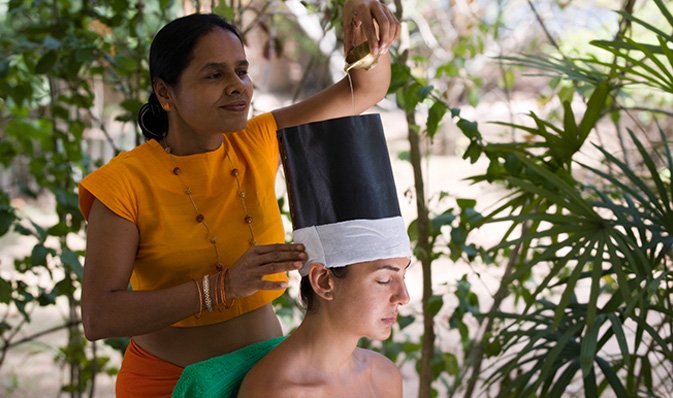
{"type": "Point", "coordinates": [585, 293]}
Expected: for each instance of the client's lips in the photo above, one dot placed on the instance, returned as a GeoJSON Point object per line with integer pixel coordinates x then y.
{"type": "Point", "coordinates": [390, 320]}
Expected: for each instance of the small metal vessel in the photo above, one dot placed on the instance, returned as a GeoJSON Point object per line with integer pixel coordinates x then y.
{"type": "Point", "coordinates": [360, 57]}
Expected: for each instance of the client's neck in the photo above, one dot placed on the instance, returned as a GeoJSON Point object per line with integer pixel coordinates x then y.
{"type": "Point", "coordinates": [326, 346]}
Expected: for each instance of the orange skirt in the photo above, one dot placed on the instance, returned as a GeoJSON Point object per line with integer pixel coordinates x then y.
{"type": "Point", "coordinates": [143, 375]}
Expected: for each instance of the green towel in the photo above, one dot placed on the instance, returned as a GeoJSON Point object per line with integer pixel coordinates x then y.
{"type": "Point", "coordinates": [222, 376]}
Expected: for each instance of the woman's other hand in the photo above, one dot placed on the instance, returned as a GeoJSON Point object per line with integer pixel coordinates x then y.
{"type": "Point", "coordinates": [369, 20]}
{"type": "Point", "coordinates": [246, 276]}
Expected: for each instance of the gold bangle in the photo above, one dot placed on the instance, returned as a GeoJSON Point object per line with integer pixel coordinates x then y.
{"type": "Point", "coordinates": [220, 288]}
{"type": "Point", "coordinates": [227, 303]}
{"type": "Point", "coordinates": [198, 291]}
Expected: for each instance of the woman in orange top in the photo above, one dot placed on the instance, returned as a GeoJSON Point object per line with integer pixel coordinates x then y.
{"type": "Point", "coordinates": [189, 218]}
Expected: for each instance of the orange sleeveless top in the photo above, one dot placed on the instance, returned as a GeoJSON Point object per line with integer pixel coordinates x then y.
{"type": "Point", "coordinates": [139, 186]}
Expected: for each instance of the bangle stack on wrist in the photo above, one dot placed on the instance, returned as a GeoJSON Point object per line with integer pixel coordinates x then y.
{"type": "Point", "coordinates": [213, 296]}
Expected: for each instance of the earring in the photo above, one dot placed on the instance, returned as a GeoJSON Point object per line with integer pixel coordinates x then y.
{"type": "Point", "coordinates": [166, 106]}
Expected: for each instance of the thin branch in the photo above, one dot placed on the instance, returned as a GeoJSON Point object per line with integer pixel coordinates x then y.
{"type": "Point", "coordinates": [32, 337]}
{"type": "Point", "coordinates": [258, 17]}
{"type": "Point", "coordinates": [645, 109]}
{"type": "Point", "coordinates": [103, 129]}
{"type": "Point", "coordinates": [544, 28]}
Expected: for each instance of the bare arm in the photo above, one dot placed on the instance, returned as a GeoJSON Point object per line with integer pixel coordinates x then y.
{"type": "Point", "coordinates": [109, 309]}
{"type": "Point", "coordinates": [367, 20]}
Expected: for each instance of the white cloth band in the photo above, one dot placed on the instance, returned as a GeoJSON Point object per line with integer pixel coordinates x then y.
{"type": "Point", "coordinates": [355, 241]}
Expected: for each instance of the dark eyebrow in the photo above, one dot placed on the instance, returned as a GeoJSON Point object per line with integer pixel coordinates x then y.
{"type": "Point", "coordinates": [388, 267]}
{"type": "Point", "coordinates": [391, 267]}
{"type": "Point", "coordinates": [222, 64]}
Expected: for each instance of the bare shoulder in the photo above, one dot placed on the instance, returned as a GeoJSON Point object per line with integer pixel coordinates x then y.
{"type": "Point", "coordinates": [269, 374]}
{"type": "Point", "coordinates": [386, 377]}
{"type": "Point", "coordinates": [261, 381]}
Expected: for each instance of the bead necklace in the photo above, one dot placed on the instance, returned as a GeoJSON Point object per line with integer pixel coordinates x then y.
{"type": "Point", "coordinates": [200, 218]}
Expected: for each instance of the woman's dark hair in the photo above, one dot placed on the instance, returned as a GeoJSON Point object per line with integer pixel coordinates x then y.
{"type": "Point", "coordinates": [170, 53]}
{"type": "Point", "coordinates": [306, 290]}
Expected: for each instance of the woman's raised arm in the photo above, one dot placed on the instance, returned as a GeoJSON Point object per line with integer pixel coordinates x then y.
{"type": "Point", "coordinates": [363, 20]}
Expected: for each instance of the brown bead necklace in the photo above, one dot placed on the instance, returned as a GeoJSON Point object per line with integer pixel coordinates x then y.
{"type": "Point", "coordinates": [200, 218]}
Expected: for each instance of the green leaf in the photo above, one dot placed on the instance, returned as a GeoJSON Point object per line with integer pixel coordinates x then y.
{"type": "Point", "coordinates": [441, 220]}
{"type": "Point", "coordinates": [613, 379]}
{"type": "Point", "coordinates": [71, 261]}
{"type": "Point", "coordinates": [588, 349]}
{"type": "Point", "coordinates": [404, 321]}
{"type": "Point", "coordinates": [569, 291]}
{"type": "Point", "coordinates": [451, 364]}
{"type": "Point", "coordinates": [38, 256]}
{"type": "Point", "coordinates": [425, 91]}
{"type": "Point", "coordinates": [564, 380]}
{"type": "Point", "coordinates": [468, 128]}
{"type": "Point", "coordinates": [41, 234]}
{"type": "Point", "coordinates": [646, 372]}
{"type": "Point", "coordinates": [119, 343]}
{"type": "Point", "coordinates": [566, 94]}
{"type": "Point", "coordinates": [412, 230]}
{"type": "Point", "coordinates": [458, 235]}
{"type": "Point", "coordinates": [435, 115]}
{"type": "Point", "coordinates": [473, 152]}
{"type": "Point", "coordinates": [550, 363]}
{"type": "Point", "coordinates": [46, 63]}
{"type": "Point", "coordinates": [473, 97]}
{"type": "Point", "coordinates": [5, 292]}
{"type": "Point", "coordinates": [404, 155]}
{"type": "Point", "coordinates": [64, 287]}
{"type": "Point", "coordinates": [400, 75]}
{"type": "Point", "coordinates": [590, 388]}
{"type": "Point", "coordinates": [434, 305]}
{"type": "Point", "coordinates": [132, 105]}
{"type": "Point", "coordinates": [7, 218]}
{"type": "Point", "coordinates": [449, 69]}
{"type": "Point", "coordinates": [226, 11]}
{"type": "Point", "coordinates": [569, 130]}
{"type": "Point", "coordinates": [596, 273]}
{"type": "Point", "coordinates": [464, 203]}
{"type": "Point", "coordinates": [595, 107]}
{"type": "Point", "coordinates": [51, 43]}
{"type": "Point", "coordinates": [662, 190]}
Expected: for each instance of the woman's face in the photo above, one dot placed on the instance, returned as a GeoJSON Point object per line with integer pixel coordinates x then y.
{"type": "Point", "coordinates": [213, 93]}
{"type": "Point", "coordinates": [367, 299]}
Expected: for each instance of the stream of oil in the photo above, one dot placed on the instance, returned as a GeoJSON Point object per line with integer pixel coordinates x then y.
{"type": "Point", "coordinates": [350, 84]}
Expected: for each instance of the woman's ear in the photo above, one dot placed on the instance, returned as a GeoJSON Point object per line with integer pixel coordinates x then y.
{"type": "Point", "coordinates": [162, 92]}
{"type": "Point", "coordinates": [322, 281]}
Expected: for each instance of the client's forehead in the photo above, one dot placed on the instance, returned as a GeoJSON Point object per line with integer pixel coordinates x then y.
{"type": "Point", "coordinates": [392, 264]}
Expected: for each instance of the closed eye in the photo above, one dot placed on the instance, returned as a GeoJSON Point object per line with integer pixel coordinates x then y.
{"type": "Point", "coordinates": [214, 76]}
{"type": "Point", "coordinates": [386, 282]}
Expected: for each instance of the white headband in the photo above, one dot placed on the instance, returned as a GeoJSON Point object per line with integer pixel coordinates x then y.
{"type": "Point", "coordinates": [355, 241]}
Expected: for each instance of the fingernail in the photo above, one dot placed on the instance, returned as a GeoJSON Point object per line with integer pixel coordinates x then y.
{"type": "Point", "coordinates": [384, 50]}
{"type": "Point", "coordinates": [297, 264]}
